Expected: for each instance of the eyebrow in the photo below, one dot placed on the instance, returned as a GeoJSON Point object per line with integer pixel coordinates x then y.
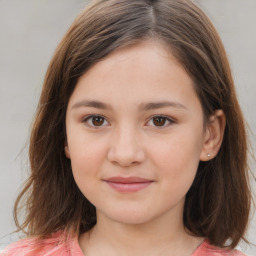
{"type": "Point", "coordinates": [162, 104]}
{"type": "Point", "coordinates": [92, 104]}
{"type": "Point", "coordinates": [143, 106]}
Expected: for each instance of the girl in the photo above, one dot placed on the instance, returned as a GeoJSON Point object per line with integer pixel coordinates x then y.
{"type": "Point", "coordinates": [138, 146]}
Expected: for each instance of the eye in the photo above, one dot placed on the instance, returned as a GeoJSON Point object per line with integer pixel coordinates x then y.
{"type": "Point", "coordinates": [160, 121]}
{"type": "Point", "coordinates": [95, 121]}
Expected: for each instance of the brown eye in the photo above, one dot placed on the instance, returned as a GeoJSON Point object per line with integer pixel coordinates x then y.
{"type": "Point", "coordinates": [159, 121]}
{"type": "Point", "coordinates": [95, 121]}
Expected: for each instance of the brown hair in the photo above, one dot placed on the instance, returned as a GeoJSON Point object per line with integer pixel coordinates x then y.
{"type": "Point", "coordinates": [218, 203]}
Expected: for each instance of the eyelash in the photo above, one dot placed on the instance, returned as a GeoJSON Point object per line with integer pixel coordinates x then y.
{"type": "Point", "coordinates": [166, 119]}
{"type": "Point", "coordinates": [89, 118]}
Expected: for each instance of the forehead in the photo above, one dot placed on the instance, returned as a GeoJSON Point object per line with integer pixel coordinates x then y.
{"type": "Point", "coordinates": [146, 71]}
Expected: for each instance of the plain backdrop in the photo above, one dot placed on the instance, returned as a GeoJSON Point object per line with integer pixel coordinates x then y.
{"type": "Point", "coordinates": [29, 33]}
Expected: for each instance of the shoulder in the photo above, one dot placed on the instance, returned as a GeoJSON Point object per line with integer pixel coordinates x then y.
{"type": "Point", "coordinates": [206, 249]}
{"type": "Point", "coordinates": [56, 245]}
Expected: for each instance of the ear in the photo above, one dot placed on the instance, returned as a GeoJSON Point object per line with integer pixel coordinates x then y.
{"type": "Point", "coordinates": [67, 151]}
{"type": "Point", "coordinates": [213, 135]}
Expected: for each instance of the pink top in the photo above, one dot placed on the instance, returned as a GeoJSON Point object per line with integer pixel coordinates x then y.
{"type": "Point", "coordinates": [57, 246]}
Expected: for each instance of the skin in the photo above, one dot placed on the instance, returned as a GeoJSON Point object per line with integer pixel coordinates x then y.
{"type": "Point", "coordinates": [128, 138]}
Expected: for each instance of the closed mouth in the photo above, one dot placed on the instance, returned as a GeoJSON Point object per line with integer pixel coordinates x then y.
{"type": "Point", "coordinates": [128, 184]}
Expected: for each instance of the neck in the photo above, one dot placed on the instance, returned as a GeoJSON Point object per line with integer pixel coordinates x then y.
{"type": "Point", "coordinates": [153, 238]}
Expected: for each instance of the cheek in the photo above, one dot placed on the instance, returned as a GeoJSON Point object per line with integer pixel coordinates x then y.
{"type": "Point", "coordinates": [85, 167]}
{"type": "Point", "coordinates": [178, 157]}
{"type": "Point", "coordinates": [86, 159]}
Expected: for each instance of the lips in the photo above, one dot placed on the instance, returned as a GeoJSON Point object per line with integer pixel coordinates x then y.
{"type": "Point", "coordinates": [128, 184]}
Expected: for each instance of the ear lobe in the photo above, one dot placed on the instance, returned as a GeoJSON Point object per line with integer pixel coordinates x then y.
{"type": "Point", "coordinates": [213, 135]}
{"type": "Point", "coordinates": [67, 152]}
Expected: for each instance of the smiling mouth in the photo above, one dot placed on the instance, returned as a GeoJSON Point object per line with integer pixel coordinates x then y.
{"type": "Point", "coordinates": [128, 184]}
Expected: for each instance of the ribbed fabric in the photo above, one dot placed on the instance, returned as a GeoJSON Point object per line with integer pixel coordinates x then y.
{"type": "Point", "coordinates": [205, 249]}
{"type": "Point", "coordinates": [58, 245]}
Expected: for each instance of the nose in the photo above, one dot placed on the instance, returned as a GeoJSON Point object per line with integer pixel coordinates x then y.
{"type": "Point", "coordinates": [125, 148]}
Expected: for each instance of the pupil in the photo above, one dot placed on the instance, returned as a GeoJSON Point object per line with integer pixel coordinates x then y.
{"type": "Point", "coordinates": [159, 121]}
{"type": "Point", "coordinates": [97, 121]}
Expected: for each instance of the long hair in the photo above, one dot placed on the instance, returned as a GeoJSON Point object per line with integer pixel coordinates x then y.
{"type": "Point", "coordinates": [218, 203]}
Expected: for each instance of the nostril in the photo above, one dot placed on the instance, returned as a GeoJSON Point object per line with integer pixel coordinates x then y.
{"type": "Point", "coordinates": [124, 157]}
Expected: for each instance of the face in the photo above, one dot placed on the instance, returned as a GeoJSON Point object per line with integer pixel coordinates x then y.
{"type": "Point", "coordinates": [135, 134]}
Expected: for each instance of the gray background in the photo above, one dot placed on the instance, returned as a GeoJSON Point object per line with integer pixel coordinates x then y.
{"type": "Point", "coordinates": [30, 31]}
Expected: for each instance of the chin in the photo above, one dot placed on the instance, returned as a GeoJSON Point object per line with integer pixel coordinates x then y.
{"type": "Point", "coordinates": [130, 217]}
